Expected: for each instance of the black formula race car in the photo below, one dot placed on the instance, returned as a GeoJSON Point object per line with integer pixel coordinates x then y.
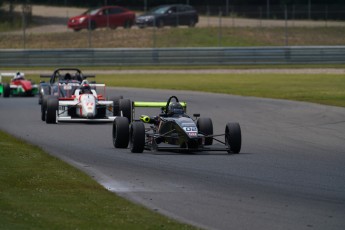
{"type": "Point", "coordinates": [173, 130]}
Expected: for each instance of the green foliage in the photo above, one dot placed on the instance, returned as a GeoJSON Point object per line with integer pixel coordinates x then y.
{"type": "Point", "coordinates": [38, 191]}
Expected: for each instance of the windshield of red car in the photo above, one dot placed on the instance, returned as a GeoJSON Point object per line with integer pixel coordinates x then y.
{"type": "Point", "coordinates": [91, 12]}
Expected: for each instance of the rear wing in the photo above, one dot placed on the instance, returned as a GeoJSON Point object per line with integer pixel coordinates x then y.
{"type": "Point", "coordinates": [144, 104]}
{"type": "Point", "coordinates": [78, 77]}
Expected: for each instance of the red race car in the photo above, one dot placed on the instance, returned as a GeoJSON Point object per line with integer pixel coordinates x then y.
{"type": "Point", "coordinates": [106, 16]}
{"type": "Point", "coordinates": [18, 86]}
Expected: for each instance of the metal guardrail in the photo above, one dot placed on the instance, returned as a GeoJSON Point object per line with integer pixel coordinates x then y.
{"type": "Point", "coordinates": [173, 56]}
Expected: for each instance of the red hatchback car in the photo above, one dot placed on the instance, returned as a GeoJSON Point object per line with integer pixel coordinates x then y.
{"type": "Point", "coordinates": [106, 16]}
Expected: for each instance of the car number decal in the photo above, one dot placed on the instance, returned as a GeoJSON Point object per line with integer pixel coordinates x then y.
{"type": "Point", "coordinates": [190, 129]}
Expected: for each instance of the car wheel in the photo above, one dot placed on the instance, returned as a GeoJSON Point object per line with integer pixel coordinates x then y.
{"type": "Point", "coordinates": [233, 137]}
{"type": "Point", "coordinates": [137, 137]}
{"type": "Point", "coordinates": [120, 132]}
{"type": "Point", "coordinates": [192, 23]}
{"type": "Point", "coordinates": [92, 25]}
{"type": "Point", "coordinates": [52, 109]}
{"type": "Point", "coordinates": [43, 90]}
{"type": "Point", "coordinates": [76, 30]}
{"type": "Point", "coordinates": [40, 98]}
{"type": "Point", "coordinates": [205, 127]}
{"type": "Point", "coordinates": [160, 24]}
{"type": "Point", "coordinates": [126, 108]}
{"type": "Point", "coordinates": [128, 24]}
{"type": "Point", "coordinates": [44, 107]}
{"type": "Point", "coordinates": [116, 105]}
{"type": "Point", "coordinates": [7, 90]}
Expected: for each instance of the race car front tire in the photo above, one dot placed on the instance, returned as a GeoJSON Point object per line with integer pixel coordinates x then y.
{"type": "Point", "coordinates": [205, 127]}
{"type": "Point", "coordinates": [233, 137]}
{"type": "Point", "coordinates": [52, 108]}
{"type": "Point", "coordinates": [7, 90]}
{"type": "Point", "coordinates": [137, 137]}
{"type": "Point", "coordinates": [120, 132]}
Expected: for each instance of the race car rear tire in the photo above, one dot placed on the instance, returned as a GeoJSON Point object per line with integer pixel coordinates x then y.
{"type": "Point", "coordinates": [137, 137]}
{"type": "Point", "coordinates": [43, 90]}
{"type": "Point", "coordinates": [205, 127]}
{"type": "Point", "coordinates": [52, 108]}
{"type": "Point", "coordinates": [120, 132]}
{"type": "Point", "coordinates": [7, 90]}
{"type": "Point", "coordinates": [126, 108]}
{"type": "Point", "coordinates": [233, 137]}
{"type": "Point", "coordinates": [44, 107]}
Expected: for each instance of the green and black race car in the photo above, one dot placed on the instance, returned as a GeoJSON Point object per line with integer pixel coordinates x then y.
{"type": "Point", "coordinates": [173, 130]}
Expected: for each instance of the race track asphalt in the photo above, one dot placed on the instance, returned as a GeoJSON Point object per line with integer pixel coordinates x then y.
{"type": "Point", "coordinates": [290, 173]}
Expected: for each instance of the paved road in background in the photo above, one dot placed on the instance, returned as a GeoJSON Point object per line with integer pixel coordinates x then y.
{"type": "Point", "coordinates": [290, 174]}
{"type": "Point", "coordinates": [52, 19]}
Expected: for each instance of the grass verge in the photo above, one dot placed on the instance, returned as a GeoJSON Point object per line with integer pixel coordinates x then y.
{"type": "Point", "coordinates": [178, 37]}
{"type": "Point", "coordinates": [38, 191]}
{"type": "Point", "coordinates": [327, 89]}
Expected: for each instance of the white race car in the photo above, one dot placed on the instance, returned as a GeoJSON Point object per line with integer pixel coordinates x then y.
{"type": "Point", "coordinates": [71, 102]}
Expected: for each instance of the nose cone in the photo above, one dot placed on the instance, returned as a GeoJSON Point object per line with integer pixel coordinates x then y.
{"type": "Point", "coordinates": [88, 103]}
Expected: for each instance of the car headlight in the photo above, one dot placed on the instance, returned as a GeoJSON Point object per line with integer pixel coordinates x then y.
{"type": "Point", "coordinates": [81, 20]}
{"type": "Point", "coordinates": [149, 19]}
{"type": "Point", "coordinates": [146, 18]}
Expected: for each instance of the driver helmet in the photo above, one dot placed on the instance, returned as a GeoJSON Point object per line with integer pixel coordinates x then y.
{"type": "Point", "coordinates": [68, 76]}
{"type": "Point", "coordinates": [175, 108]}
{"type": "Point", "coordinates": [85, 88]}
{"type": "Point", "coordinates": [18, 76]}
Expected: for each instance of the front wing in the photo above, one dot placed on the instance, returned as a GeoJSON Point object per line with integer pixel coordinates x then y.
{"type": "Point", "coordinates": [63, 113]}
{"type": "Point", "coordinates": [151, 145]}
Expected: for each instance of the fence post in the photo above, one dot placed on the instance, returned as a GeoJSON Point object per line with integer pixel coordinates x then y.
{"type": "Point", "coordinates": [24, 27]}
{"type": "Point", "coordinates": [326, 16]}
{"type": "Point", "coordinates": [260, 20]}
{"type": "Point", "coordinates": [286, 27]}
{"type": "Point", "coordinates": [220, 29]}
{"type": "Point", "coordinates": [89, 32]}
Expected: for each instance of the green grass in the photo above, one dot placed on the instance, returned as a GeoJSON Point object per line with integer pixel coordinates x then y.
{"type": "Point", "coordinates": [179, 37]}
{"type": "Point", "coordinates": [38, 191]}
{"type": "Point", "coordinates": [327, 89]}
{"type": "Point", "coordinates": [85, 69]}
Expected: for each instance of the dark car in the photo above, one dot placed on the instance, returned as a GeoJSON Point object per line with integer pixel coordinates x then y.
{"type": "Point", "coordinates": [106, 16]}
{"type": "Point", "coordinates": [60, 76]}
{"type": "Point", "coordinates": [169, 15]}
